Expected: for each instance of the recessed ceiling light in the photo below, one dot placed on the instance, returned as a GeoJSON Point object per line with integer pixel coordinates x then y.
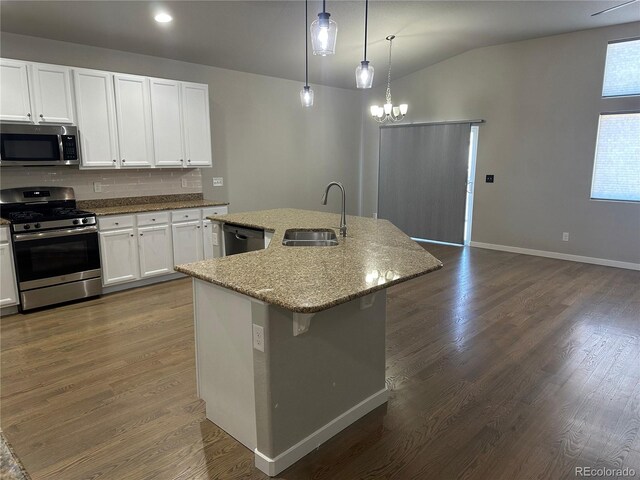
{"type": "Point", "coordinates": [163, 18]}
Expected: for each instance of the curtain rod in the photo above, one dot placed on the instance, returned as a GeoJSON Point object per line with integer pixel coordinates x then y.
{"type": "Point", "coordinates": [453, 122]}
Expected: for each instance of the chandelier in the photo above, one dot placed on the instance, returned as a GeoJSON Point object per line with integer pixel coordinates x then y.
{"type": "Point", "coordinates": [388, 112]}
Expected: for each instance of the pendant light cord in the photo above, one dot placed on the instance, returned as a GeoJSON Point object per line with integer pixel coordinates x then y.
{"type": "Point", "coordinates": [324, 6]}
{"type": "Point", "coordinates": [306, 44]}
{"type": "Point", "coordinates": [366, 20]}
{"type": "Point", "coordinates": [388, 96]}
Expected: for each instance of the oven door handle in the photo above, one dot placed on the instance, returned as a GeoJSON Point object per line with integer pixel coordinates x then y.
{"type": "Point", "coordinates": [22, 237]}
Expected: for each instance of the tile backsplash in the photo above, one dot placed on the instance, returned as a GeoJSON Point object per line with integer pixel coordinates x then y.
{"type": "Point", "coordinates": [114, 183]}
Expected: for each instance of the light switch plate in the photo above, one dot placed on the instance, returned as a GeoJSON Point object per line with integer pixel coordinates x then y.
{"type": "Point", "coordinates": [184, 183]}
{"type": "Point", "coordinates": [218, 181]}
{"type": "Point", "coordinates": [97, 187]}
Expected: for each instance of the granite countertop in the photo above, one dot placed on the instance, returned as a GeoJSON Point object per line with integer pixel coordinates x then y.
{"type": "Point", "coordinates": [374, 255]}
{"type": "Point", "coordinates": [125, 205]}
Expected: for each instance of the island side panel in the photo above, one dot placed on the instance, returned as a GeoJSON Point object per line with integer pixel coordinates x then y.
{"type": "Point", "coordinates": [224, 353]}
{"type": "Point", "coordinates": [304, 383]}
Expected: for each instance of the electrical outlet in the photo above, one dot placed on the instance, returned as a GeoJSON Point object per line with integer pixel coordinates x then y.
{"type": "Point", "coordinates": [565, 236]}
{"type": "Point", "coordinates": [258, 337]}
{"type": "Point", "coordinates": [489, 178]}
{"type": "Point", "coordinates": [218, 181]}
{"type": "Point", "coordinates": [375, 214]}
{"type": "Point", "coordinates": [184, 183]}
{"type": "Point", "coordinates": [97, 187]}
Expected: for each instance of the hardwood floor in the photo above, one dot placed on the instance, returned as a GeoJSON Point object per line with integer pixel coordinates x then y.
{"type": "Point", "coordinates": [500, 366]}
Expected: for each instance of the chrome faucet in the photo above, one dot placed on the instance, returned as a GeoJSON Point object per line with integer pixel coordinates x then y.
{"type": "Point", "coordinates": [343, 219]}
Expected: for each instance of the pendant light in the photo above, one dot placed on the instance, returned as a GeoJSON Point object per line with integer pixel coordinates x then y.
{"type": "Point", "coordinates": [306, 94]}
{"type": "Point", "coordinates": [364, 71]}
{"type": "Point", "coordinates": [324, 32]}
{"type": "Point", "coordinates": [389, 112]}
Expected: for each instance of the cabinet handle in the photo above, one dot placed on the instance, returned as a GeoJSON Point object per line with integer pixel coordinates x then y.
{"type": "Point", "coordinates": [198, 226]}
{"type": "Point", "coordinates": [114, 160]}
{"type": "Point", "coordinates": [28, 115]}
{"type": "Point", "coordinates": [182, 160]}
{"type": "Point", "coordinates": [41, 116]}
{"type": "Point", "coordinates": [132, 234]}
{"type": "Point", "coordinates": [123, 160]}
{"type": "Point", "coordinates": [189, 160]}
{"type": "Point", "coordinates": [186, 216]}
{"type": "Point", "coordinates": [117, 223]}
{"type": "Point", "coordinates": [140, 235]}
{"type": "Point", "coordinates": [153, 219]}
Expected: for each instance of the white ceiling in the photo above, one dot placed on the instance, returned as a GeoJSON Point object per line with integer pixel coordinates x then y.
{"type": "Point", "coordinates": [266, 37]}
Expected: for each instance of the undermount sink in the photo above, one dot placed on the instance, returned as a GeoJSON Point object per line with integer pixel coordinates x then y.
{"type": "Point", "coordinates": [309, 238]}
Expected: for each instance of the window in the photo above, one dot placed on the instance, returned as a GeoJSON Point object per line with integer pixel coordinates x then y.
{"type": "Point", "coordinates": [622, 70]}
{"type": "Point", "coordinates": [616, 169]}
{"type": "Point", "coordinates": [616, 173]}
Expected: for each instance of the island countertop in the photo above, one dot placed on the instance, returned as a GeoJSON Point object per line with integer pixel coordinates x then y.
{"type": "Point", "coordinates": [374, 255]}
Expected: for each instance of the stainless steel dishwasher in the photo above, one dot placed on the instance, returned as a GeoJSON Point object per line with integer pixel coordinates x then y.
{"type": "Point", "coordinates": [242, 239]}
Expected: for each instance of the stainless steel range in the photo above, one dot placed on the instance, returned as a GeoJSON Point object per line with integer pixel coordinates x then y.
{"type": "Point", "coordinates": [55, 245]}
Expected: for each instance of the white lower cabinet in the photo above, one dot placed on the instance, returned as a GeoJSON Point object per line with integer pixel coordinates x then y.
{"type": "Point", "coordinates": [134, 247]}
{"type": "Point", "coordinates": [8, 289]}
{"type": "Point", "coordinates": [155, 250]}
{"type": "Point", "coordinates": [187, 242]}
{"type": "Point", "coordinates": [119, 255]}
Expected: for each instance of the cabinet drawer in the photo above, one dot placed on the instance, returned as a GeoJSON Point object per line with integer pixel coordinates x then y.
{"type": "Point", "coordinates": [115, 221]}
{"type": "Point", "coordinates": [152, 218]}
{"type": "Point", "coordinates": [4, 234]}
{"type": "Point", "coordinates": [211, 211]}
{"type": "Point", "coordinates": [185, 215]}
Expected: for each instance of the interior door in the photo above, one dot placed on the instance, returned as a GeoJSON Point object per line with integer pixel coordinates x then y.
{"type": "Point", "coordinates": [423, 179]}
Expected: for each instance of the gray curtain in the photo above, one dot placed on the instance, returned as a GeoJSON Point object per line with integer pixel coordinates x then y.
{"type": "Point", "coordinates": [422, 179]}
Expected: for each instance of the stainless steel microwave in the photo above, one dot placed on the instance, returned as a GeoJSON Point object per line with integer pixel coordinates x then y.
{"type": "Point", "coordinates": [27, 145]}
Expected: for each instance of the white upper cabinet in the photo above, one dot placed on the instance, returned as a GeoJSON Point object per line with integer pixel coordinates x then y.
{"type": "Point", "coordinates": [15, 105]}
{"type": "Point", "coordinates": [196, 124]}
{"type": "Point", "coordinates": [51, 86]}
{"type": "Point", "coordinates": [133, 111]}
{"type": "Point", "coordinates": [96, 118]}
{"type": "Point", "coordinates": [123, 120]}
{"type": "Point", "coordinates": [167, 122]}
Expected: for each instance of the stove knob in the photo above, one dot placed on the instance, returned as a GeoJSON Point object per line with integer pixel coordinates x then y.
{"type": "Point", "coordinates": [37, 225]}
{"type": "Point", "coordinates": [85, 220]}
{"type": "Point", "coordinates": [27, 227]}
{"type": "Point", "coordinates": [76, 221]}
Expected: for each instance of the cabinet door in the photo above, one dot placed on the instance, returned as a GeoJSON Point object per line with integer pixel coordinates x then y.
{"type": "Point", "coordinates": [187, 242]}
{"type": "Point", "coordinates": [133, 111]}
{"type": "Point", "coordinates": [167, 123]}
{"type": "Point", "coordinates": [197, 130]}
{"type": "Point", "coordinates": [96, 118]}
{"type": "Point", "coordinates": [15, 104]}
{"type": "Point", "coordinates": [211, 248]}
{"type": "Point", "coordinates": [119, 254]}
{"type": "Point", "coordinates": [8, 290]}
{"type": "Point", "coordinates": [155, 250]}
{"type": "Point", "coordinates": [52, 93]}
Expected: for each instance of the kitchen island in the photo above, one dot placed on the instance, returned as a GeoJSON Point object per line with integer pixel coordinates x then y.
{"type": "Point", "coordinates": [290, 341]}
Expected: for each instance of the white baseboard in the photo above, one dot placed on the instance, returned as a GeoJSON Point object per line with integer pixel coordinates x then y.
{"type": "Point", "coordinates": [273, 466]}
{"type": "Point", "coordinates": [558, 255]}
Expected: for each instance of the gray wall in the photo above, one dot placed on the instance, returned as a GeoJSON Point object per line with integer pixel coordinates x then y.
{"type": "Point", "coordinates": [270, 151]}
{"type": "Point", "coordinates": [541, 100]}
